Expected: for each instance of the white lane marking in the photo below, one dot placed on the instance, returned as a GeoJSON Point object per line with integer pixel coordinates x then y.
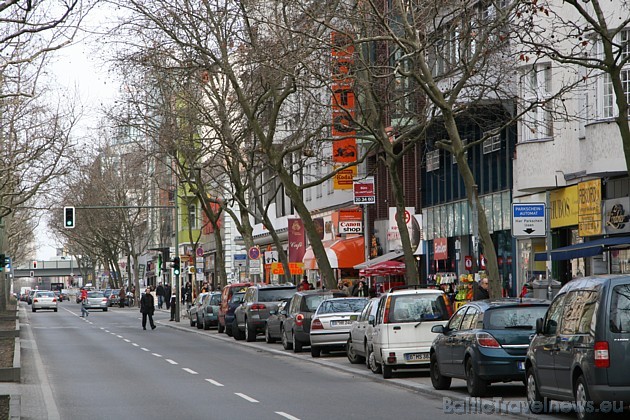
{"type": "Point", "coordinates": [286, 416]}
{"type": "Point", "coordinates": [127, 340]}
{"type": "Point", "coordinates": [172, 362]}
{"type": "Point", "coordinates": [246, 397]}
{"type": "Point", "coordinates": [213, 382]}
{"type": "Point", "coordinates": [144, 349]}
{"type": "Point", "coordinates": [192, 372]}
{"type": "Point", "coordinates": [102, 328]}
{"type": "Point", "coordinates": [135, 345]}
{"type": "Point", "coordinates": [156, 355]}
{"type": "Point", "coordinates": [107, 331]}
{"type": "Point", "coordinates": [119, 336]}
{"type": "Point", "coordinates": [112, 333]}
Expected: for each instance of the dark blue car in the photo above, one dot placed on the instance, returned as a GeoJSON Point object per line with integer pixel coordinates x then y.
{"type": "Point", "coordinates": [484, 342]}
{"type": "Point", "coordinates": [235, 302]}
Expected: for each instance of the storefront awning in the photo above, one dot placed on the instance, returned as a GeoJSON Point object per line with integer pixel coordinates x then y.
{"type": "Point", "coordinates": [384, 268]}
{"type": "Point", "coordinates": [342, 253]}
{"type": "Point", "coordinates": [586, 249]}
{"type": "Point", "coordinates": [385, 257]}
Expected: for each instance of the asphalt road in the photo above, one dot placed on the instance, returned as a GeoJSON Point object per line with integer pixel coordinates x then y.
{"type": "Point", "coordinates": [106, 366]}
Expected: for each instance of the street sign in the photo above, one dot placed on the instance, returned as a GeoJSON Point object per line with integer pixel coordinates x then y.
{"type": "Point", "coordinates": [253, 253]}
{"type": "Point", "coordinates": [254, 266]}
{"type": "Point", "coordinates": [529, 220]}
{"type": "Point", "coordinates": [364, 191]}
{"type": "Point", "coordinates": [351, 226]}
{"type": "Point", "coordinates": [271, 257]}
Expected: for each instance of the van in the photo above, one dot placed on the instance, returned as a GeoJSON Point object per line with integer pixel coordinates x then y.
{"type": "Point", "coordinates": [581, 348]}
{"type": "Point", "coordinates": [226, 297]}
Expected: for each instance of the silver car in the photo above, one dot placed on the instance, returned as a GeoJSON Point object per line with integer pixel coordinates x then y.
{"type": "Point", "coordinates": [330, 325]}
{"type": "Point", "coordinates": [44, 299]}
{"type": "Point", "coordinates": [360, 340]}
{"type": "Point", "coordinates": [96, 300]}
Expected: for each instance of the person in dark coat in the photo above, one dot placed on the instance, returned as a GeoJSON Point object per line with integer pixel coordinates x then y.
{"type": "Point", "coordinates": [173, 304]}
{"type": "Point", "coordinates": [159, 292]}
{"type": "Point", "coordinates": [147, 307]}
{"type": "Point", "coordinates": [361, 290]}
{"type": "Point", "coordinates": [167, 296]}
{"type": "Point", "coordinates": [189, 295]}
{"type": "Point", "coordinates": [121, 297]}
{"type": "Point", "coordinates": [480, 291]}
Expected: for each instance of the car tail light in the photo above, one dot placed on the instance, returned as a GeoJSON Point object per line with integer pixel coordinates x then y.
{"type": "Point", "coordinates": [386, 314]}
{"type": "Point", "coordinates": [317, 325]}
{"type": "Point", "coordinates": [34, 300]}
{"type": "Point", "coordinates": [299, 319]}
{"type": "Point", "coordinates": [54, 299]}
{"type": "Point", "coordinates": [104, 299]}
{"type": "Point", "coordinates": [391, 359]}
{"type": "Point", "coordinates": [257, 306]}
{"type": "Point", "coordinates": [602, 357]}
{"type": "Point", "coordinates": [487, 340]}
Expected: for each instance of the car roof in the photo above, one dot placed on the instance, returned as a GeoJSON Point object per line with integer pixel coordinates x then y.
{"type": "Point", "coordinates": [592, 282]}
{"type": "Point", "coordinates": [319, 292]}
{"type": "Point", "coordinates": [414, 291]}
{"type": "Point", "coordinates": [506, 302]}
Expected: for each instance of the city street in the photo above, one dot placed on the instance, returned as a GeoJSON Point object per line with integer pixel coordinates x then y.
{"type": "Point", "coordinates": [106, 366]}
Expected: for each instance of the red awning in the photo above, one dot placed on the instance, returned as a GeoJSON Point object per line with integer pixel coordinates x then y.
{"type": "Point", "coordinates": [342, 253]}
{"type": "Point", "coordinates": [384, 268]}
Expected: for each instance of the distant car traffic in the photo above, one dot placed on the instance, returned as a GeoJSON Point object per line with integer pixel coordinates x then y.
{"type": "Point", "coordinates": [330, 325]}
{"type": "Point", "coordinates": [44, 299]}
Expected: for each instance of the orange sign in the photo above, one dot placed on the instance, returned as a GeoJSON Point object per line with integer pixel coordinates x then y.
{"type": "Point", "coordinates": [294, 267]}
{"type": "Point", "coordinates": [350, 215]}
{"type": "Point", "coordinates": [343, 101]}
{"type": "Point", "coordinates": [345, 179]}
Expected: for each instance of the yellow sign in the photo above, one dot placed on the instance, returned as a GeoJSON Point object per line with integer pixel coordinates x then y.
{"type": "Point", "coordinates": [590, 208]}
{"type": "Point", "coordinates": [295, 268]}
{"type": "Point", "coordinates": [344, 179]}
{"type": "Point", "coordinates": [564, 207]}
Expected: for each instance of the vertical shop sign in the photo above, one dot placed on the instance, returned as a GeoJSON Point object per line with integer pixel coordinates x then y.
{"type": "Point", "coordinates": [297, 246]}
{"type": "Point", "coordinates": [440, 249]}
{"type": "Point", "coordinates": [590, 208]}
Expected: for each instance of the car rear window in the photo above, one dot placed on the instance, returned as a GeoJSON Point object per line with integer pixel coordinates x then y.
{"type": "Point", "coordinates": [215, 299]}
{"type": "Point", "coordinates": [312, 302]}
{"type": "Point", "coordinates": [274, 295]}
{"type": "Point", "coordinates": [95, 294]}
{"type": "Point", "coordinates": [418, 307]}
{"type": "Point", "coordinates": [334, 306]}
{"type": "Point", "coordinates": [620, 309]}
{"type": "Point", "coordinates": [513, 317]}
{"type": "Point", "coordinates": [237, 297]}
{"type": "Point", "coordinates": [45, 294]}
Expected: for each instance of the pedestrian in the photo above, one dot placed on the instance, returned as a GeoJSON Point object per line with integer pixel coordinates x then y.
{"type": "Point", "coordinates": [480, 291]}
{"type": "Point", "coordinates": [122, 295]}
{"type": "Point", "coordinates": [84, 304]}
{"type": "Point", "coordinates": [160, 295]}
{"type": "Point", "coordinates": [147, 308]}
{"type": "Point", "coordinates": [167, 296]}
{"type": "Point", "coordinates": [361, 290]}
{"type": "Point", "coordinates": [182, 295]}
{"type": "Point", "coordinates": [189, 295]}
{"type": "Point", "coordinates": [304, 285]}
{"type": "Point", "coordinates": [173, 304]}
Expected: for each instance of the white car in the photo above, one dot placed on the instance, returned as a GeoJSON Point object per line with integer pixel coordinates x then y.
{"type": "Point", "coordinates": [44, 299]}
{"type": "Point", "coordinates": [402, 335]}
{"type": "Point", "coordinates": [330, 325]}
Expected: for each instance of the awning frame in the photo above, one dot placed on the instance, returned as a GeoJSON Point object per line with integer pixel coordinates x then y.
{"type": "Point", "coordinates": [585, 249]}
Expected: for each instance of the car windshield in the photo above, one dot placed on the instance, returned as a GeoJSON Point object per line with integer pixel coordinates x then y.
{"type": "Point", "coordinates": [215, 299]}
{"type": "Point", "coordinates": [620, 309]}
{"type": "Point", "coordinates": [333, 306]}
{"type": "Point", "coordinates": [237, 297]}
{"type": "Point", "coordinates": [312, 302]}
{"type": "Point", "coordinates": [274, 295]}
{"type": "Point", "coordinates": [513, 317]}
{"type": "Point", "coordinates": [418, 307]}
{"type": "Point", "coordinates": [45, 294]}
{"type": "Point", "coordinates": [95, 295]}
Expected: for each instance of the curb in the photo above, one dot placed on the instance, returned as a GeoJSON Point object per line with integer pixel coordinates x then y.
{"type": "Point", "coordinates": [13, 374]}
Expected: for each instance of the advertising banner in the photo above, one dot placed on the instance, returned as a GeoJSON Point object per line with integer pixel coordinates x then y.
{"type": "Point", "coordinates": [440, 249]}
{"type": "Point", "coordinates": [590, 208]}
{"type": "Point", "coordinates": [564, 207]}
{"type": "Point", "coordinates": [617, 216]}
{"type": "Point", "coordinates": [297, 244]}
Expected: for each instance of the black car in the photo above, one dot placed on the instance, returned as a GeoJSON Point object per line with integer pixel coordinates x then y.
{"type": "Point", "coordinates": [484, 342]}
{"type": "Point", "coordinates": [273, 328]}
{"type": "Point", "coordinates": [235, 302]}
{"type": "Point", "coordinates": [580, 351]}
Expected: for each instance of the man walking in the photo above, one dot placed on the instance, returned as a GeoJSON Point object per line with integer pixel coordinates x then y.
{"type": "Point", "coordinates": [167, 296]}
{"type": "Point", "coordinates": [147, 307]}
{"type": "Point", "coordinates": [84, 304]}
{"type": "Point", "coordinates": [160, 295]}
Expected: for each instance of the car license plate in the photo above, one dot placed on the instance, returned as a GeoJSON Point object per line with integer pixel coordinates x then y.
{"type": "Point", "coordinates": [341, 322]}
{"type": "Point", "coordinates": [417, 357]}
{"type": "Point", "coordinates": [520, 365]}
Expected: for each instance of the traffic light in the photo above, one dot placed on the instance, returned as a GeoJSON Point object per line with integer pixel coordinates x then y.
{"type": "Point", "coordinates": [68, 217]}
{"type": "Point", "coordinates": [175, 266]}
{"type": "Point", "coordinates": [34, 265]}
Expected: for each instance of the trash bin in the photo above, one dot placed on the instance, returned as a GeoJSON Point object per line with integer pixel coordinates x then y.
{"type": "Point", "coordinates": [541, 287]}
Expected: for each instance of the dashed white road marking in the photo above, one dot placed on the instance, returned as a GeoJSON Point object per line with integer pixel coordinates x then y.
{"type": "Point", "coordinates": [246, 397]}
{"type": "Point", "coordinates": [286, 416]}
{"type": "Point", "coordinates": [135, 345]}
{"type": "Point", "coordinates": [172, 362]}
{"type": "Point", "coordinates": [156, 355]}
{"type": "Point", "coordinates": [192, 372]}
{"type": "Point", "coordinates": [144, 349]}
{"type": "Point", "coordinates": [127, 340]}
{"type": "Point", "coordinates": [119, 336]}
{"type": "Point", "coordinates": [106, 331]}
{"type": "Point", "coordinates": [213, 382]}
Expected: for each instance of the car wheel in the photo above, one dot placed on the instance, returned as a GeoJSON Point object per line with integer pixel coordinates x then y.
{"type": "Point", "coordinates": [315, 351]}
{"type": "Point", "coordinates": [268, 338]}
{"type": "Point", "coordinates": [192, 323]}
{"type": "Point", "coordinates": [374, 367]}
{"type": "Point", "coordinates": [55, 309]}
{"type": "Point", "coordinates": [250, 332]}
{"type": "Point", "coordinates": [199, 326]}
{"type": "Point", "coordinates": [286, 344]}
{"type": "Point", "coordinates": [206, 325]}
{"type": "Point", "coordinates": [387, 371]}
{"type": "Point", "coordinates": [537, 404]}
{"type": "Point", "coordinates": [475, 385]}
{"type": "Point", "coordinates": [104, 309]}
{"type": "Point", "coordinates": [220, 328]}
{"type": "Point", "coordinates": [437, 380]}
{"type": "Point", "coordinates": [297, 345]}
{"type": "Point", "coordinates": [584, 405]}
{"type": "Point", "coordinates": [353, 357]}
{"type": "Point", "coordinates": [228, 330]}
{"type": "Point", "coordinates": [34, 310]}
{"type": "Point", "coordinates": [236, 332]}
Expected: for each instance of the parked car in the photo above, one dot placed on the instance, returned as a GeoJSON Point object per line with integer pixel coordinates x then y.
{"type": "Point", "coordinates": [580, 350]}
{"type": "Point", "coordinates": [96, 300]}
{"type": "Point", "coordinates": [235, 302]}
{"type": "Point", "coordinates": [113, 297]}
{"type": "Point", "coordinates": [360, 339]}
{"type": "Point", "coordinates": [208, 313]}
{"type": "Point", "coordinates": [194, 308]}
{"type": "Point", "coordinates": [251, 316]}
{"type": "Point", "coordinates": [29, 297]}
{"type": "Point", "coordinates": [273, 327]}
{"type": "Point", "coordinates": [330, 325]}
{"type": "Point", "coordinates": [44, 299]}
{"type": "Point", "coordinates": [484, 342]}
{"type": "Point", "coordinates": [402, 329]}
{"type": "Point", "coordinates": [296, 328]}
{"type": "Point", "coordinates": [226, 301]}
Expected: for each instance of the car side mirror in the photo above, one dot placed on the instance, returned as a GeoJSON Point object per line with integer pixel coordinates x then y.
{"type": "Point", "coordinates": [540, 323]}
{"type": "Point", "coordinates": [438, 329]}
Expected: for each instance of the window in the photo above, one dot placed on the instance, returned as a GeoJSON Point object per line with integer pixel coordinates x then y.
{"type": "Point", "coordinates": [578, 312]}
{"type": "Point", "coordinates": [520, 317]}
{"type": "Point", "coordinates": [492, 144]}
{"type": "Point", "coordinates": [608, 108]}
{"type": "Point", "coordinates": [456, 320]}
{"type": "Point", "coordinates": [620, 309]}
{"type": "Point", "coordinates": [192, 216]}
{"type": "Point", "coordinates": [433, 160]}
{"type": "Point", "coordinates": [537, 123]}
{"type": "Point", "coordinates": [554, 315]}
{"type": "Point", "coordinates": [470, 319]}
